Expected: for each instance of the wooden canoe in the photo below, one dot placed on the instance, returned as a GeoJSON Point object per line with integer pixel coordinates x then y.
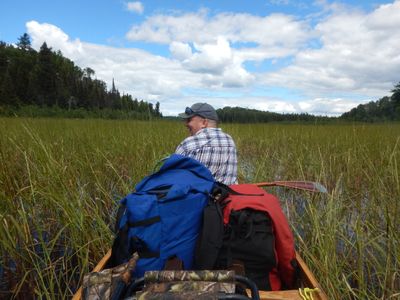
{"type": "Point", "coordinates": [307, 280]}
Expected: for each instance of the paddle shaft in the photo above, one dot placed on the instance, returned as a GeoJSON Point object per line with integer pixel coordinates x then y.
{"type": "Point", "coordinates": [301, 185]}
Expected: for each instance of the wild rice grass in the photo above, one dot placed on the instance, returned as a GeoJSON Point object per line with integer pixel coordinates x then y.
{"type": "Point", "coordinates": [61, 181]}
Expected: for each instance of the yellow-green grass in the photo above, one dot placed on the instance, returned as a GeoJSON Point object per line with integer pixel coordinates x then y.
{"type": "Point", "coordinates": [60, 181]}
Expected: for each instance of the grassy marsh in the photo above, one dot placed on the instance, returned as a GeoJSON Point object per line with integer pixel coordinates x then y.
{"type": "Point", "coordinates": [60, 181]}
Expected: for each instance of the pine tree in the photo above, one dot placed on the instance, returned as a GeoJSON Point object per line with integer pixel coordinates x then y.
{"type": "Point", "coordinates": [45, 76]}
{"type": "Point", "coordinates": [24, 42]}
{"type": "Point", "coordinates": [395, 98]}
{"type": "Point", "coordinates": [158, 113]}
{"type": "Point", "coordinates": [7, 91]}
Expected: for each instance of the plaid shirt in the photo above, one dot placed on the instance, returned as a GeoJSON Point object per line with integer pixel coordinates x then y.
{"type": "Point", "coordinates": [216, 150]}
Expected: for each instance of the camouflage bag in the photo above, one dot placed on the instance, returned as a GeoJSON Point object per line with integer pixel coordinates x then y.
{"type": "Point", "coordinates": [109, 283]}
{"type": "Point", "coordinates": [186, 285]}
{"type": "Point", "coordinates": [191, 285]}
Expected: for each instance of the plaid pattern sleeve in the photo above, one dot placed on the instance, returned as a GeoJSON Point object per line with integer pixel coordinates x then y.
{"type": "Point", "coordinates": [216, 150]}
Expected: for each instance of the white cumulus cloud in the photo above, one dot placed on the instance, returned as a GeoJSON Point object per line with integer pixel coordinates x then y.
{"type": "Point", "coordinates": [276, 30]}
{"type": "Point", "coordinates": [54, 37]}
{"type": "Point", "coordinates": [359, 53]}
{"type": "Point", "coordinates": [180, 51]}
{"type": "Point", "coordinates": [136, 7]}
{"type": "Point", "coordinates": [210, 58]}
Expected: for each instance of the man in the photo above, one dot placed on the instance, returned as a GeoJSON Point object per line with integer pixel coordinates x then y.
{"type": "Point", "coordinates": [209, 144]}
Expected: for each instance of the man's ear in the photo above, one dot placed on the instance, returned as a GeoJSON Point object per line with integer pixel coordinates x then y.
{"type": "Point", "coordinates": [204, 123]}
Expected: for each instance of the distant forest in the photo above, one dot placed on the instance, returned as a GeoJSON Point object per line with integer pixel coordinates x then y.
{"type": "Point", "coordinates": [46, 83]}
{"type": "Point", "coordinates": [245, 115]}
{"type": "Point", "coordinates": [384, 109]}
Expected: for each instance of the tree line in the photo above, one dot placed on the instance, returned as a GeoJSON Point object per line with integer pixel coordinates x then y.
{"type": "Point", "coordinates": [384, 109]}
{"type": "Point", "coordinates": [245, 115]}
{"type": "Point", "coordinates": [46, 78]}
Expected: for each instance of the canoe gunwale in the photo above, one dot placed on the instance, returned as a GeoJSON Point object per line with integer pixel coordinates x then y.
{"type": "Point", "coordinates": [307, 277]}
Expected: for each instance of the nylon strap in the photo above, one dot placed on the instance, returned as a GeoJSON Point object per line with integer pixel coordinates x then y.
{"type": "Point", "coordinates": [145, 222]}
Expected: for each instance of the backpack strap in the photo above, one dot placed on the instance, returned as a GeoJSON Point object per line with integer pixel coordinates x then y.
{"type": "Point", "coordinates": [145, 222]}
{"type": "Point", "coordinates": [120, 213]}
{"type": "Point", "coordinates": [140, 246]}
{"type": "Point", "coordinates": [120, 250]}
{"type": "Point", "coordinates": [137, 244]}
{"type": "Point", "coordinates": [210, 238]}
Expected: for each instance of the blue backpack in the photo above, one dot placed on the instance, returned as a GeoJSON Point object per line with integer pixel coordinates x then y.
{"type": "Point", "coordinates": [162, 218]}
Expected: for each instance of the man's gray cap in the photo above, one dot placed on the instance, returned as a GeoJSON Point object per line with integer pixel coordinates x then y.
{"type": "Point", "coordinates": [203, 110]}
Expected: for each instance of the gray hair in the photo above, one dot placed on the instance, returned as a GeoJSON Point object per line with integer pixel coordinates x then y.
{"type": "Point", "coordinates": [212, 123]}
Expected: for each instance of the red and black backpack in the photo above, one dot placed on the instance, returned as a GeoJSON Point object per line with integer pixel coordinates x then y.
{"type": "Point", "coordinates": [245, 224]}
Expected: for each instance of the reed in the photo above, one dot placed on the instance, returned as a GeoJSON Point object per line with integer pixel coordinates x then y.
{"type": "Point", "coordinates": [61, 181]}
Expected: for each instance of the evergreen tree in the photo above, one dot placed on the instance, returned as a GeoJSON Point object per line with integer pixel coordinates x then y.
{"type": "Point", "coordinates": [44, 77]}
{"type": "Point", "coordinates": [24, 42]}
{"type": "Point", "coordinates": [8, 95]}
{"type": "Point", "coordinates": [4, 62]}
{"type": "Point", "coordinates": [157, 110]}
{"type": "Point", "coordinates": [113, 89]}
{"type": "Point", "coordinates": [395, 98]}
{"type": "Point", "coordinates": [23, 63]}
{"type": "Point", "coordinates": [88, 72]}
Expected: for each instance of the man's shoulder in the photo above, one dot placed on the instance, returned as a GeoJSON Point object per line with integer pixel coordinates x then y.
{"type": "Point", "coordinates": [192, 141]}
{"type": "Point", "coordinates": [219, 134]}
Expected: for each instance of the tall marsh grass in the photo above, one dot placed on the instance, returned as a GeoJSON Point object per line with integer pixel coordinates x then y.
{"type": "Point", "coordinates": [61, 181]}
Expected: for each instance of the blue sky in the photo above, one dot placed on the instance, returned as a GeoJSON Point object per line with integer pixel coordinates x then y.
{"type": "Point", "coordinates": [322, 57]}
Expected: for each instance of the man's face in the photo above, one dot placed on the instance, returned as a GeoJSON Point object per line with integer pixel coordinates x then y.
{"type": "Point", "coordinates": [195, 123]}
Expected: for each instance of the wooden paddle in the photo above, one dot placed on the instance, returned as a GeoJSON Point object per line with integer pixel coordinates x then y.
{"type": "Point", "coordinates": [301, 185]}
{"type": "Point", "coordinates": [99, 267]}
